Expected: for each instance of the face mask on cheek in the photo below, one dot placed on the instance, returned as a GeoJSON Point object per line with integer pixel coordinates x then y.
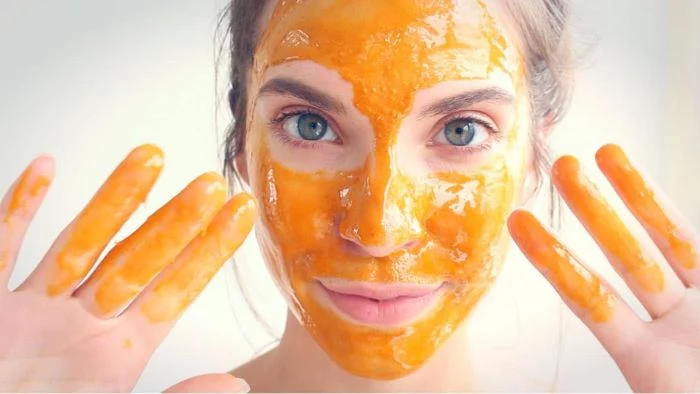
{"type": "Point", "coordinates": [446, 229]}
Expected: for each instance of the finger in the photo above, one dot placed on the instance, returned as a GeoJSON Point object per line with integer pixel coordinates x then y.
{"type": "Point", "coordinates": [75, 251]}
{"type": "Point", "coordinates": [18, 208]}
{"type": "Point", "coordinates": [211, 383]}
{"type": "Point", "coordinates": [183, 280]}
{"type": "Point", "coordinates": [132, 264]}
{"type": "Point", "coordinates": [610, 319]}
{"type": "Point", "coordinates": [677, 240]}
{"type": "Point", "coordinates": [654, 284]}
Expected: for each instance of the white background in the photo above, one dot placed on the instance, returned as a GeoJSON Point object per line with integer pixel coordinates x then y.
{"type": "Point", "coordinates": [87, 81]}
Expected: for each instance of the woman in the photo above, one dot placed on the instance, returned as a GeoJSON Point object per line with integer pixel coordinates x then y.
{"type": "Point", "coordinates": [388, 145]}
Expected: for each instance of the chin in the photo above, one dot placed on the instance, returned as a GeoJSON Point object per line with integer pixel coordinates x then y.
{"type": "Point", "coordinates": [385, 351]}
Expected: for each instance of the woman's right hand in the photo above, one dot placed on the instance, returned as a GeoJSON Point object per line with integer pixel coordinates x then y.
{"type": "Point", "coordinates": [66, 330]}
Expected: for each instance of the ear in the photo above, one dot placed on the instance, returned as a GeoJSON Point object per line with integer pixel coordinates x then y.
{"type": "Point", "coordinates": [241, 163]}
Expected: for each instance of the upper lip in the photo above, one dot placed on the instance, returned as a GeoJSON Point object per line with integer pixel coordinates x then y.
{"type": "Point", "coordinates": [378, 291]}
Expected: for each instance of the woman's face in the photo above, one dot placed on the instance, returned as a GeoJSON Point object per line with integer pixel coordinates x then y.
{"type": "Point", "coordinates": [387, 144]}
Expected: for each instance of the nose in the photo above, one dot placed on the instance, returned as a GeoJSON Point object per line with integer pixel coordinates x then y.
{"type": "Point", "coordinates": [382, 211]}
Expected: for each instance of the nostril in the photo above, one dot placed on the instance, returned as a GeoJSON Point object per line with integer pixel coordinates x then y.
{"type": "Point", "coordinates": [351, 246]}
{"type": "Point", "coordinates": [376, 244]}
{"type": "Point", "coordinates": [378, 251]}
{"type": "Point", "coordinates": [411, 244]}
{"type": "Point", "coordinates": [376, 230]}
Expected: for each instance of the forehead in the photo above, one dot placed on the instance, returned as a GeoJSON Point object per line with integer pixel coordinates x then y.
{"type": "Point", "coordinates": [403, 40]}
{"type": "Point", "coordinates": [390, 50]}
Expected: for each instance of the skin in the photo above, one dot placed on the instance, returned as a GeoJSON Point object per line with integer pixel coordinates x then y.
{"type": "Point", "coordinates": [90, 233]}
{"type": "Point", "coordinates": [562, 267]}
{"type": "Point", "coordinates": [629, 256]}
{"type": "Point", "coordinates": [605, 226]}
{"type": "Point", "coordinates": [128, 268]}
{"type": "Point", "coordinates": [180, 284]}
{"type": "Point", "coordinates": [661, 223]}
{"type": "Point", "coordinates": [387, 201]}
{"type": "Point", "coordinates": [77, 324]}
{"type": "Point", "coordinates": [27, 192]}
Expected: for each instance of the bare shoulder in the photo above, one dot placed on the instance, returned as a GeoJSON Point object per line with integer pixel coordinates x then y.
{"type": "Point", "coordinates": [259, 372]}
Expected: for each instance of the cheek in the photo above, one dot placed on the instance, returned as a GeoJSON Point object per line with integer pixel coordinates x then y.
{"type": "Point", "coordinates": [298, 209]}
{"type": "Point", "coordinates": [305, 210]}
{"type": "Point", "coordinates": [471, 211]}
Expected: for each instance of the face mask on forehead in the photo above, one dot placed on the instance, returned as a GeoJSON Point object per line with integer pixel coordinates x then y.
{"type": "Point", "coordinates": [431, 229]}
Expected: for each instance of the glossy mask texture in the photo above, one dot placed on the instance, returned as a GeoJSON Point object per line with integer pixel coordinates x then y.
{"type": "Point", "coordinates": [605, 226]}
{"type": "Point", "coordinates": [107, 212]}
{"type": "Point", "coordinates": [643, 201]}
{"type": "Point", "coordinates": [450, 221]}
{"type": "Point", "coordinates": [585, 289]}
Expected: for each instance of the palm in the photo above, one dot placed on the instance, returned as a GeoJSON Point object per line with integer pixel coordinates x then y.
{"type": "Point", "coordinates": [668, 357]}
{"type": "Point", "coordinates": [68, 328]}
{"type": "Point", "coordinates": [59, 341]}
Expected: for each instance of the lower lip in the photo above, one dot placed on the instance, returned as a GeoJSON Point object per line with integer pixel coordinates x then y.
{"type": "Point", "coordinates": [387, 313]}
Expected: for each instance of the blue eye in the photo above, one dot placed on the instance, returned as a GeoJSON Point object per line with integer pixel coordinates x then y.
{"type": "Point", "coordinates": [464, 132]}
{"type": "Point", "coordinates": [309, 127]}
{"type": "Point", "coordinates": [460, 132]}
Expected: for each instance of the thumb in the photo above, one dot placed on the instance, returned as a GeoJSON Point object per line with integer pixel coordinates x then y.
{"type": "Point", "coordinates": [211, 383]}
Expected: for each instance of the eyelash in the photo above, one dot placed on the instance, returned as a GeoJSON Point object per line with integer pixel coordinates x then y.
{"type": "Point", "coordinates": [276, 123]}
{"type": "Point", "coordinates": [494, 133]}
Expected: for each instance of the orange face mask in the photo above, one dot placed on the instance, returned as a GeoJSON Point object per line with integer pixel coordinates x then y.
{"type": "Point", "coordinates": [378, 222]}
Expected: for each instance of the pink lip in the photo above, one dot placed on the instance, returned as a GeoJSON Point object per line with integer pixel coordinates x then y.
{"type": "Point", "coordinates": [380, 304]}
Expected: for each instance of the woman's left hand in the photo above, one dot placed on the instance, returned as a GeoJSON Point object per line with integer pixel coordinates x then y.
{"type": "Point", "coordinates": [664, 353]}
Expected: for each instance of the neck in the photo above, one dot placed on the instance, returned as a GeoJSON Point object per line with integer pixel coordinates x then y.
{"type": "Point", "coordinates": [299, 364]}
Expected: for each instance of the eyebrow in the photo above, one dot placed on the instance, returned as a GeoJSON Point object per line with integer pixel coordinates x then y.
{"type": "Point", "coordinates": [291, 87]}
{"type": "Point", "coordinates": [466, 100]}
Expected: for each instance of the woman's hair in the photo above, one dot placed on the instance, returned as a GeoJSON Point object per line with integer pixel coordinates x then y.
{"type": "Point", "coordinates": [542, 28]}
